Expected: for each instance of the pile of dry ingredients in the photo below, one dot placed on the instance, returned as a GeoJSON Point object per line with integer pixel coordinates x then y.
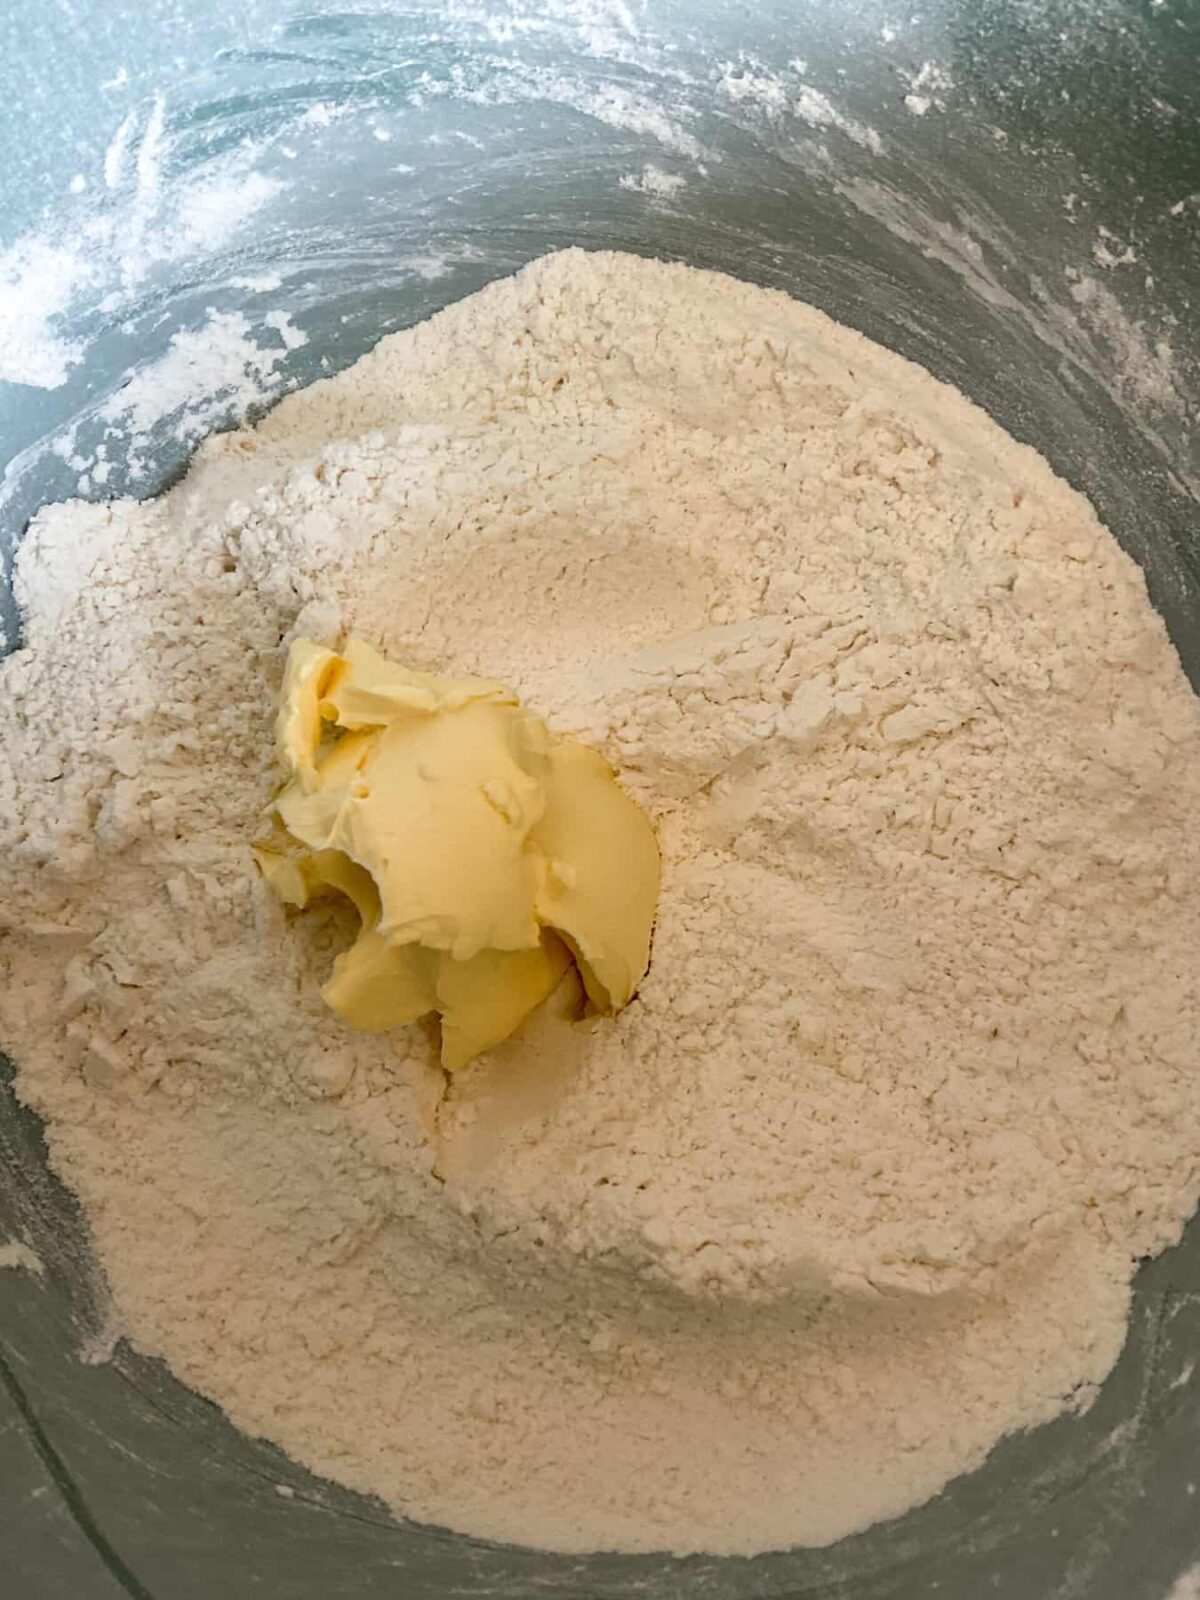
{"type": "Point", "coordinates": [856, 1183]}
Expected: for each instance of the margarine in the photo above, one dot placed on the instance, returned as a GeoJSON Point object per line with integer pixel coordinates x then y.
{"type": "Point", "coordinates": [482, 855]}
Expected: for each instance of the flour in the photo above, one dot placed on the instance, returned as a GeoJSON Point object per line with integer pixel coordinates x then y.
{"type": "Point", "coordinates": [108, 246]}
{"type": "Point", "coordinates": [16, 1256]}
{"type": "Point", "coordinates": [37, 280]}
{"type": "Point", "coordinates": [222, 363]}
{"type": "Point", "coordinates": [819, 111]}
{"type": "Point", "coordinates": [653, 181]}
{"type": "Point", "coordinates": [857, 1183]}
{"type": "Point", "coordinates": [1186, 1586]}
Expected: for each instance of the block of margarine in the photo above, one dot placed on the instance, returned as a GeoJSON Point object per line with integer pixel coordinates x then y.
{"type": "Point", "coordinates": [483, 855]}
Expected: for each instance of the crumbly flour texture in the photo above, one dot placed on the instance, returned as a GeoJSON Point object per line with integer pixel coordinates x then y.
{"type": "Point", "coordinates": [857, 1183]}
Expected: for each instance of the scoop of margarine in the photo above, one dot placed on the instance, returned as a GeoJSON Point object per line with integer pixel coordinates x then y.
{"type": "Point", "coordinates": [482, 855]}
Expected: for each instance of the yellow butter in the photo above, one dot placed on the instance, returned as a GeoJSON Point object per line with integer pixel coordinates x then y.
{"type": "Point", "coordinates": [310, 671]}
{"type": "Point", "coordinates": [482, 855]}
{"type": "Point", "coordinates": [485, 999]}
{"type": "Point", "coordinates": [600, 883]}
{"type": "Point", "coordinates": [376, 985]}
{"type": "Point", "coordinates": [450, 862]}
{"type": "Point", "coordinates": [372, 691]}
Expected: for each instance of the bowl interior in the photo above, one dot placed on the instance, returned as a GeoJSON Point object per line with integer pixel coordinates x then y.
{"type": "Point", "coordinates": [1004, 193]}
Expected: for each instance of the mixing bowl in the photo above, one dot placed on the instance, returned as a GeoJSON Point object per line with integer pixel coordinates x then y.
{"type": "Point", "coordinates": [206, 205]}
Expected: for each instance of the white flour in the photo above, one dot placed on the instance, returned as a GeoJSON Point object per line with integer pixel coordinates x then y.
{"type": "Point", "coordinates": [109, 243]}
{"type": "Point", "coordinates": [856, 1184]}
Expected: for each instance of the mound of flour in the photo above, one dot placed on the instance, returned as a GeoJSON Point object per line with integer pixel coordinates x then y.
{"type": "Point", "coordinates": [857, 1182]}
